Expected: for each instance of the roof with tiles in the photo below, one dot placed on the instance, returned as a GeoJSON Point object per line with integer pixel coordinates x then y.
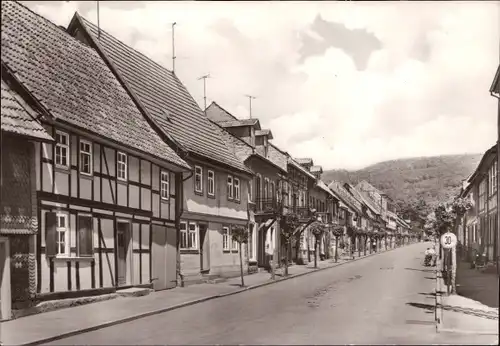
{"type": "Point", "coordinates": [325, 188]}
{"type": "Point", "coordinates": [277, 156]}
{"type": "Point", "coordinates": [242, 149]}
{"type": "Point", "coordinates": [18, 117]}
{"type": "Point", "coordinates": [217, 113]}
{"type": "Point", "coordinates": [345, 196]}
{"type": "Point", "coordinates": [297, 165]}
{"type": "Point", "coordinates": [240, 122]}
{"type": "Point", "coordinates": [265, 132]}
{"type": "Point", "coordinates": [239, 147]}
{"type": "Point", "coordinates": [159, 90]}
{"type": "Point", "coordinates": [223, 118]}
{"type": "Point", "coordinates": [72, 82]}
{"type": "Point", "coordinates": [304, 161]}
{"type": "Point", "coordinates": [315, 169]}
{"type": "Point", "coordinates": [364, 199]}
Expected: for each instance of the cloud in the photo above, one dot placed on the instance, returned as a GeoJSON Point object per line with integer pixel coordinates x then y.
{"type": "Point", "coordinates": [346, 83]}
{"type": "Point", "coordinates": [358, 43]}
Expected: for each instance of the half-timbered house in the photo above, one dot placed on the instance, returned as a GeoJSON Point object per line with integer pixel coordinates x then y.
{"type": "Point", "coordinates": [214, 194]}
{"type": "Point", "coordinates": [108, 188]}
{"type": "Point", "coordinates": [18, 212]}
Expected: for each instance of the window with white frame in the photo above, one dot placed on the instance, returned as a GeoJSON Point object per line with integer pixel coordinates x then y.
{"type": "Point", "coordinates": [122, 166]}
{"type": "Point", "coordinates": [211, 183]}
{"type": "Point", "coordinates": [250, 190]}
{"type": "Point", "coordinates": [230, 191]}
{"type": "Point", "coordinates": [198, 179]}
{"type": "Point", "coordinates": [165, 185]}
{"type": "Point", "coordinates": [85, 157]}
{"type": "Point", "coordinates": [62, 235]}
{"type": "Point", "coordinates": [237, 189]}
{"type": "Point", "coordinates": [62, 149]}
{"type": "Point", "coordinates": [184, 235]}
{"type": "Point", "coordinates": [193, 235]}
{"type": "Point", "coordinates": [189, 235]}
{"type": "Point", "coordinates": [493, 178]}
{"type": "Point", "coordinates": [225, 238]}
{"type": "Point", "coordinates": [234, 244]}
{"type": "Point", "coordinates": [266, 188]}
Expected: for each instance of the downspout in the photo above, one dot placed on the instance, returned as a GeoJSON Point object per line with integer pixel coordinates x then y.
{"type": "Point", "coordinates": [179, 206]}
{"type": "Point", "coordinates": [497, 233]}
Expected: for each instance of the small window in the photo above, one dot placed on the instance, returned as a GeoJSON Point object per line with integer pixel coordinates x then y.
{"type": "Point", "coordinates": [85, 157]}
{"type": "Point", "coordinates": [189, 235]}
{"type": "Point", "coordinates": [225, 238]}
{"type": "Point", "coordinates": [211, 183]}
{"type": "Point", "coordinates": [62, 237]}
{"type": "Point", "coordinates": [165, 185]}
{"type": "Point", "coordinates": [85, 236]}
{"type": "Point", "coordinates": [122, 166]}
{"type": "Point", "coordinates": [250, 190]}
{"type": "Point", "coordinates": [237, 189]}
{"type": "Point", "coordinates": [234, 243]}
{"type": "Point", "coordinates": [62, 149]}
{"type": "Point", "coordinates": [184, 235]}
{"type": "Point", "coordinates": [198, 179]}
{"type": "Point", "coordinates": [230, 191]}
{"type": "Point", "coordinates": [193, 233]}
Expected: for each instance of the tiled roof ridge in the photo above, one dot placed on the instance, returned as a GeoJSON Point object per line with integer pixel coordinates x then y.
{"type": "Point", "coordinates": [237, 138]}
{"type": "Point", "coordinates": [225, 110]}
{"type": "Point", "coordinates": [88, 25]}
{"type": "Point", "coordinates": [124, 44]}
{"type": "Point", "coordinates": [147, 58]}
{"type": "Point", "coordinates": [280, 150]}
{"type": "Point", "coordinates": [248, 145]}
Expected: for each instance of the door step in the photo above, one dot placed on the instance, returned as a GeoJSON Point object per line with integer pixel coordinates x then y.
{"type": "Point", "coordinates": [133, 292]}
{"type": "Point", "coordinates": [216, 280]}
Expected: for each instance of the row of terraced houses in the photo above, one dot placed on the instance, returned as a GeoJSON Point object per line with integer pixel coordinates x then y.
{"type": "Point", "coordinates": [113, 177]}
{"type": "Point", "coordinates": [479, 229]}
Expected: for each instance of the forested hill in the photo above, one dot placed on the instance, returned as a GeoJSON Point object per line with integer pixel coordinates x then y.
{"type": "Point", "coordinates": [408, 181]}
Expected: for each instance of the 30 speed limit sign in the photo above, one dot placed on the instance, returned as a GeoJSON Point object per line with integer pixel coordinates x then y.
{"type": "Point", "coordinates": [448, 240]}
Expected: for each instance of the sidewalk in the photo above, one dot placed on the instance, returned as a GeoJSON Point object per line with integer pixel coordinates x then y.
{"type": "Point", "coordinates": [458, 314]}
{"type": "Point", "coordinates": [478, 285]}
{"type": "Point", "coordinates": [57, 324]}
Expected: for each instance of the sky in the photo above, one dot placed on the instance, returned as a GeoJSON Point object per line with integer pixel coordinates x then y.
{"type": "Point", "coordinates": [347, 84]}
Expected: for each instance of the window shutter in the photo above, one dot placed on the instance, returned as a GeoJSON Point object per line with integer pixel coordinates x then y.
{"type": "Point", "coordinates": [85, 236]}
{"type": "Point", "coordinates": [50, 234]}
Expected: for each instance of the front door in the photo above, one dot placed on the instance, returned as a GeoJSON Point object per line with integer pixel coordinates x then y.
{"type": "Point", "coordinates": [159, 257]}
{"type": "Point", "coordinates": [123, 241]}
{"type": "Point", "coordinates": [204, 249]}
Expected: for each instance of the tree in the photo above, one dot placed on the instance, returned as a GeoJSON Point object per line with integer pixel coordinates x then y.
{"type": "Point", "coordinates": [289, 225]}
{"type": "Point", "coordinates": [240, 235]}
{"type": "Point", "coordinates": [317, 229]}
{"type": "Point", "coordinates": [337, 232]}
{"type": "Point", "coordinates": [447, 217]}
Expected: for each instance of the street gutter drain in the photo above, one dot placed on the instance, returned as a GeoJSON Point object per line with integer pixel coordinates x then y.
{"type": "Point", "coordinates": [420, 322]}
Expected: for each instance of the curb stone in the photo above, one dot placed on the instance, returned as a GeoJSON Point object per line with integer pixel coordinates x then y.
{"type": "Point", "coordinates": [439, 312]}
{"type": "Point", "coordinates": [192, 302]}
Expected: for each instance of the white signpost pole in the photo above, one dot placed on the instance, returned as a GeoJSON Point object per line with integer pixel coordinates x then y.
{"type": "Point", "coordinates": [449, 243]}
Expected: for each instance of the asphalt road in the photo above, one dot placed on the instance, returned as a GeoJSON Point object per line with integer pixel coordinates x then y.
{"type": "Point", "coordinates": [383, 299]}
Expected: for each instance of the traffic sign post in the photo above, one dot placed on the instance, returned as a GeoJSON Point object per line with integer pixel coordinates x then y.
{"type": "Point", "coordinates": [449, 243]}
{"type": "Point", "coordinates": [448, 240]}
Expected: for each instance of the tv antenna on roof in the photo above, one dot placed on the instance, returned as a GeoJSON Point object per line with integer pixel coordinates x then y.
{"type": "Point", "coordinates": [205, 90]}
{"type": "Point", "coordinates": [173, 46]}
{"type": "Point", "coordinates": [250, 98]}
